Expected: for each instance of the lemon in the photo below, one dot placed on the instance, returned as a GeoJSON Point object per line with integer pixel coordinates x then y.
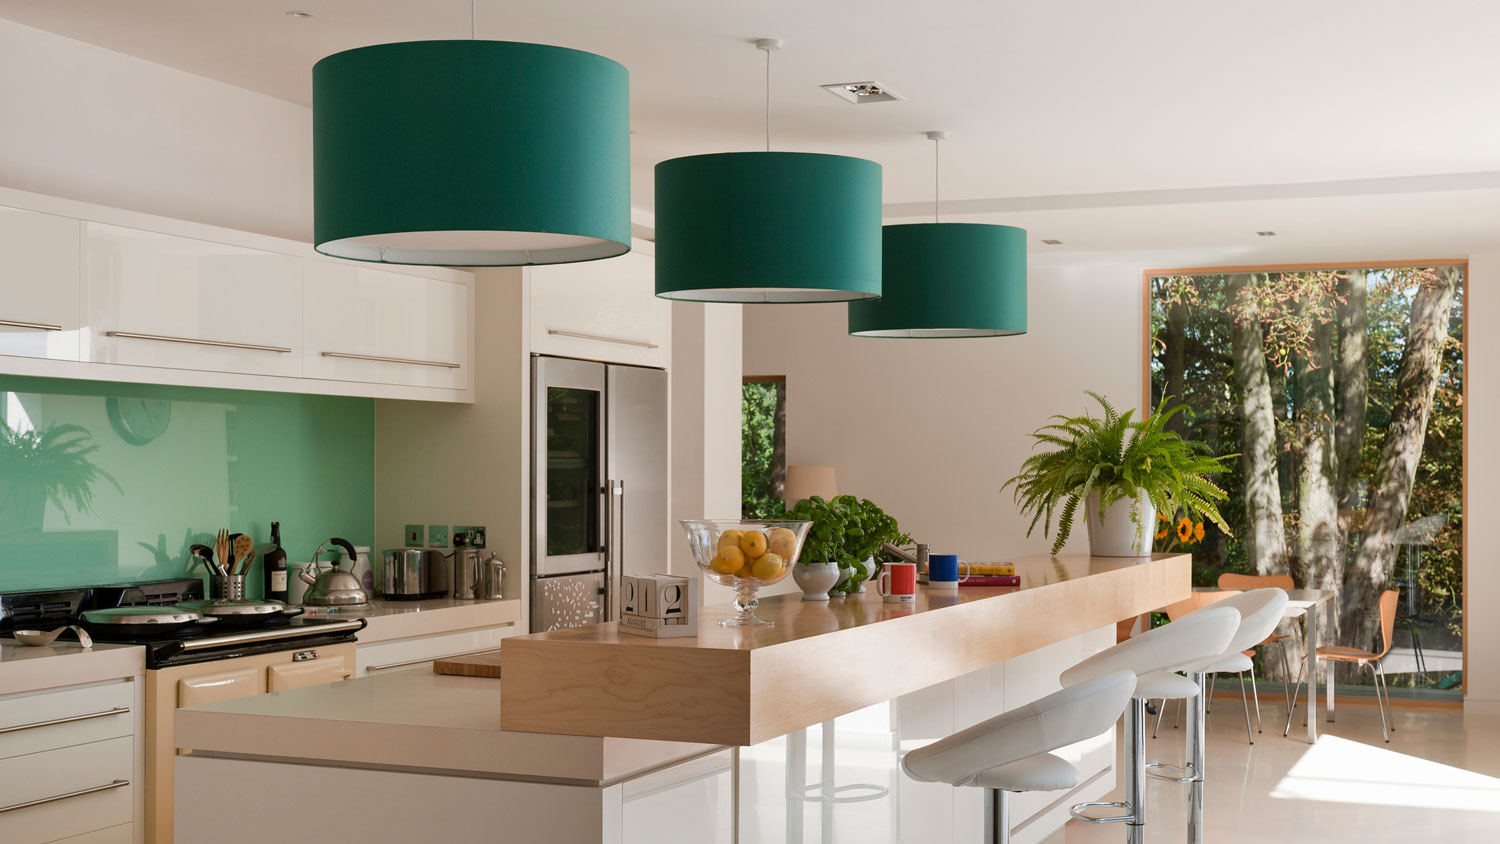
{"type": "Point", "coordinates": [732, 556]}
{"type": "Point", "coordinates": [783, 543]}
{"type": "Point", "coordinates": [753, 543]}
{"type": "Point", "coordinates": [730, 537]}
{"type": "Point", "coordinates": [768, 567]}
{"type": "Point", "coordinates": [723, 566]}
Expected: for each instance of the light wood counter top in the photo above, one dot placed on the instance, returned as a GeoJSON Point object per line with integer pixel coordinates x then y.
{"type": "Point", "coordinates": [742, 686]}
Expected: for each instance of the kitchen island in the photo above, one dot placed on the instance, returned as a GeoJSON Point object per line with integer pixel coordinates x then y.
{"type": "Point", "coordinates": [790, 733]}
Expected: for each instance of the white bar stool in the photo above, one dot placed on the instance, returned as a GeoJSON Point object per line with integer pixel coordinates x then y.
{"type": "Point", "coordinates": [1152, 656]}
{"type": "Point", "coordinates": [1013, 751]}
{"type": "Point", "coordinates": [1260, 610]}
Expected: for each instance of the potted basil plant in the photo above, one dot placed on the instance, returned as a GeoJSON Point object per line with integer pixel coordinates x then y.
{"type": "Point", "coordinates": [1123, 471]}
{"type": "Point", "coordinates": [841, 545]}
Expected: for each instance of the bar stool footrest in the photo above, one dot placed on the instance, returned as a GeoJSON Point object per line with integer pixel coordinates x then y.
{"type": "Point", "coordinates": [1183, 773]}
{"type": "Point", "coordinates": [1077, 812]}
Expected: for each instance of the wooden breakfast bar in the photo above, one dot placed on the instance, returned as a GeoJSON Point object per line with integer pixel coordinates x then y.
{"type": "Point", "coordinates": [744, 685]}
{"type": "Point", "coordinates": [791, 733]}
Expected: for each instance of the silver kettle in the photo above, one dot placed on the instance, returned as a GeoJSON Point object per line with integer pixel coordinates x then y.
{"type": "Point", "coordinates": [334, 587]}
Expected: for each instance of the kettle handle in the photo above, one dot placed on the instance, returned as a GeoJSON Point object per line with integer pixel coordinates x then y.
{"type": "Point", "coordinates": [347, 546]}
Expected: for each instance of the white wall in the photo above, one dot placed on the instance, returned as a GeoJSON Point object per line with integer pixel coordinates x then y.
{"type": "Point", "coordinates": [89, 124]}
{"type": "Point", "coordinates": [447, 464]}
{"type": "Point", "coordinates": [1482, 574]}
{"type": "Point", "coordinates": [931, 429]}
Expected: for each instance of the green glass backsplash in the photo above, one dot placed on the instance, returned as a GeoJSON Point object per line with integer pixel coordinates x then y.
{"type": "Point", "coordinates": [148, 470]}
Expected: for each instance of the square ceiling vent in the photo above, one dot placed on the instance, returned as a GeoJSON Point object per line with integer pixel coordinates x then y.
{"type": "Point", "coordinates": [861, 93]}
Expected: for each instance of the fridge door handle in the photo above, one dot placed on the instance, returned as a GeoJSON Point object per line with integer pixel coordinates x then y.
{"type": "Point", "coordinates": [614, 506]}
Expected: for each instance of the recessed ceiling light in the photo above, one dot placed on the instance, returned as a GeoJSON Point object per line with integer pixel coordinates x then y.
{"type": "Point", "coordinates": [862, 93]}
{"type": "Point", "coordinates": [1266, 234]}
{"type": "Point", "coordinates": [1051, 242]}
{"type": "Point", "coordinates": [298, 14]}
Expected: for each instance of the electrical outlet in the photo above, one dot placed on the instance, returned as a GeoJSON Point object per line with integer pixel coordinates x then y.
{"type": "Point", "coordinates": [475, 534]}
{"type": "Point", "coordinates": [437, 536]}
{"type": "Point", "coordinates": [416, 536]}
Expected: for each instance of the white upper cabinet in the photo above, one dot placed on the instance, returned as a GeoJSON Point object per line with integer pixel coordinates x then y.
{"type": "Point", "coordinates": [377, 326]}
{"type": "Point", "coordinates": [601, 310]}
{"type": "Point", "coordinates": [39, 315]}
{"type": "Point", "coordinates": [161, 300]}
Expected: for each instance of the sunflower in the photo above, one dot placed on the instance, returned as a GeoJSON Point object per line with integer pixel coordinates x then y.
{"type": "Point", "coordinates": [1162, 534]}
{"type": "Point", "coordinates": [1184, 529]}
{"type": "Point", "coordinates": [1198, 531]}
{"type": "Point", "coordinates": [1162, 517]}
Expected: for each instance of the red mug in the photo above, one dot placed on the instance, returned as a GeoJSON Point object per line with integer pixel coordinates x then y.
{"type": "Point", "coordinates": [898, 583]}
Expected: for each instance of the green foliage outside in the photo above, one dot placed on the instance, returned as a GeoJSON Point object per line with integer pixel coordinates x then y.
{"type": "Point", "coordinates": [1119, 458]}
{"type": "Point", "coordinates": [759, 497]}
{"type": "Point", "coordinates": [1304, 322]}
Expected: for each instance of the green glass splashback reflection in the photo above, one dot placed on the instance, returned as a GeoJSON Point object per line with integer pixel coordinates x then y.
{"type": "Point", "coordinates": [184, 462]}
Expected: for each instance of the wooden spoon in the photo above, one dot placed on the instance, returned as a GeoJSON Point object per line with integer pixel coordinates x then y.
{"type": "Point", "coordinates": [244, 566]}
{"type": "Point", "coordinates": [242, 545]}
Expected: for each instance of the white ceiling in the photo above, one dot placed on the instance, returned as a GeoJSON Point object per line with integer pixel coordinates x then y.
{"type": "Point", "coordinates": [1043, 99]}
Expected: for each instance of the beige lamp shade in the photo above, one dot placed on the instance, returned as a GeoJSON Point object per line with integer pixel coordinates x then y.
{"type": "Point", "coordinates": [808, 481]}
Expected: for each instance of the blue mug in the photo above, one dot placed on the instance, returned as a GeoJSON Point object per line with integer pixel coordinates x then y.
{"type": "Point", "coordinates": [942, 571]}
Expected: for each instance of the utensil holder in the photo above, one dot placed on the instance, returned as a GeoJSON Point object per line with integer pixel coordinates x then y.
{"type": "Point", "coordinates": [227, 588]}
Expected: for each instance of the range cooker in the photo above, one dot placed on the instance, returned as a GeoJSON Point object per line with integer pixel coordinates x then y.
{"type": "Point", "coordinates": [200, 663]}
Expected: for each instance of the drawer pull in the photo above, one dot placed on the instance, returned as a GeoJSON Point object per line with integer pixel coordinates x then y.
{"type": "Point", "coordinates": [118, 710]}
{"type": "Point", "coordinates": [195, 341]}
{"type": "Point", "coordinates": [642, 343]}
{"type": "Point", "coordinates": [79, 793]}
{"type": "Point", "coordinates": [389, 665]}
{"type": "Point", "coordinates": [39, 326]}
{"type": "Point", "coordinates": [412, 361]}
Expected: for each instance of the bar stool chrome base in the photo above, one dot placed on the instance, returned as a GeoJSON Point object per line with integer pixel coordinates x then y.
{"type": "Point", "coordinates": [1077, 812]}
{"type": "Point", "coordinates": [1135, 783]}
{"type": "Point", "coordinates": [1184, 773]}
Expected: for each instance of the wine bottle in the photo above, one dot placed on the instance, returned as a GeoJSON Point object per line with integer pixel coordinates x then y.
{"type": "Point", "coordinates": [275, 566]}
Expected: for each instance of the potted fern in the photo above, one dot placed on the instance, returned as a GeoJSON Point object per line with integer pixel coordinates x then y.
{"type": "Point", "coordinates": [1123, 471]}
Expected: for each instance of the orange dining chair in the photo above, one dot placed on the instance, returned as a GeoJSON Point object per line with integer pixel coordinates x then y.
{"type": "Point", "coordinates": [1365, 659]}
{"type": "Point", "coordinates": [1261, 581]}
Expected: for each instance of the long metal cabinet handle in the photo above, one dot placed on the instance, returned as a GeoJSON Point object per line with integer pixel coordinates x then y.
{"type": "Point", "coordinates": [198, 341]}
{"type": "Point", "coordinates": [642, 343]}
{"type": "Point", "coordinates": [382, 359]}
{"type": "Point", "coordinates": [118, 710]}
{"type": "Point", "coordinates": [79, 793]}
{"type": "Point", "coordinates": [21, 323]}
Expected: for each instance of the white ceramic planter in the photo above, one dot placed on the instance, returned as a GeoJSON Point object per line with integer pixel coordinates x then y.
{"type": "Point", "coordinates": [815, 579]}
{"type": "Point", "coordinates": [1114, 533]}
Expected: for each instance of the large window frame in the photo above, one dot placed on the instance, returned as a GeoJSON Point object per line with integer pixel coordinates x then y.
{"type": "Point", "coordinates": [1146, 356]}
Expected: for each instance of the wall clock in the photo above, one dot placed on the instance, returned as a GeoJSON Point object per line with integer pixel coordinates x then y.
{"type": "Point", "coordinates": [138, 421]}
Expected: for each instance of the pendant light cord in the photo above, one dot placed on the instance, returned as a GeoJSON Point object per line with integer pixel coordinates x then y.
{"type": "Point", "coordinates": [472, 15]}
{"type": "Point", "coordinates": [768, 100]}
{"type": "Point", "coordinates": [937, 182]}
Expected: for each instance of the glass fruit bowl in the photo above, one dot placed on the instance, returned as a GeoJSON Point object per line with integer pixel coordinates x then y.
{"type": "Point", "coordinates": [745, 555]}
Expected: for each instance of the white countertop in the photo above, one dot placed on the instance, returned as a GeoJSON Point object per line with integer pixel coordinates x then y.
{"type": "Point", "coordinates": [413, 720]}
{"type": "Point", "coordinates": [65, 663]}
{"type": "Point", "coordinates": [404, 619]}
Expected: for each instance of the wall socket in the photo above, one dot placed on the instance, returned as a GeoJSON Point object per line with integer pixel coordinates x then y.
{"type": "Point", "coordinates": [437, 536]}
{"type": "Point", "coordinates": [416, 536]}
{"type": "Point", "coordinates": [475, 534]}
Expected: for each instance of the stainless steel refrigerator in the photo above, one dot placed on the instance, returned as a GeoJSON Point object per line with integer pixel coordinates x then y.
{"type": "Point", "coordinates": [598, 486]}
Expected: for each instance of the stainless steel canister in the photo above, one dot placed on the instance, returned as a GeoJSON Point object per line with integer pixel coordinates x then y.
{"type": "Point", "coordinates": [494, 578]}
{"type": "Point", "coordinates": [412, 573]}
{"type": "Point", "coordinates": [468, 573]}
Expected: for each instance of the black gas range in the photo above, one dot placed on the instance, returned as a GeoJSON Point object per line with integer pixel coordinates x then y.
{"type": "Point", "coordinates": [196, 643]}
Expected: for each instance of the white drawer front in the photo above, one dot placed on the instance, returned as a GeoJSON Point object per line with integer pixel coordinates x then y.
{"type": "Point", "coordinates": [33, 723]}
{"type": "Point", "coordinates": [419, 652]}
{"type": "Point", "coordinates": [60, 784]}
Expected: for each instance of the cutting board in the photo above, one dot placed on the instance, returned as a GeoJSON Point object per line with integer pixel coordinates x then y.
{"type": "Point", "coordinates": [484, 664]}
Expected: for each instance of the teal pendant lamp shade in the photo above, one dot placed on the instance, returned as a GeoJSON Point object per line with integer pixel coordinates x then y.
{"type": "Point", "coordinates": [770, 227]}
{"type": "Point", "coordinates": [470, 153]}
{"type": "Point", "coordinates": [947, 280]}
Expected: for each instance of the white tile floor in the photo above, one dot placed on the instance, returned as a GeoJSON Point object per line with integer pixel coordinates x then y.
{"type": "Point", "coordinates": [1437, 782]}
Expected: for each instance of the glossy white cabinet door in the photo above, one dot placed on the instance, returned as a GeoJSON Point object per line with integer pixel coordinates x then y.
{"type": "Point", "coordinates": [190, 304]}
{"type": "Point", "coordinates": [39, 283]}
{"type": "Point", "coordinates": [384, 327]}
{"type": "Point", "coordinates": [689, 803]}
{"type": "Point", "coordinates": [611, 303]}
